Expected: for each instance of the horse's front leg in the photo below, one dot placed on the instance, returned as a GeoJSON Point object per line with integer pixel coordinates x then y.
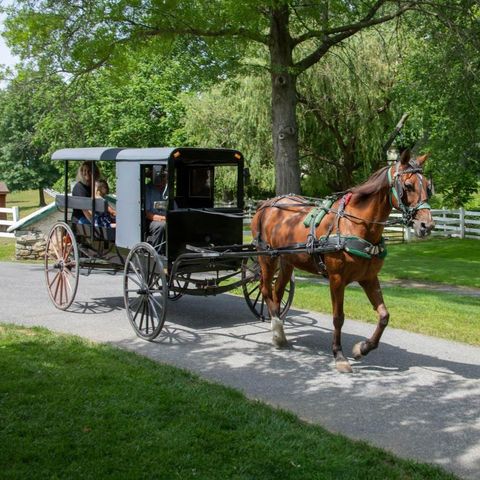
{"type": "Point", "coordinates": [374, 294]}
{"type": "Point", "coordinates": [337, 292]}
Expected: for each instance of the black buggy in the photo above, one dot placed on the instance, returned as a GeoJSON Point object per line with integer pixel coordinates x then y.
{"type": "Point", "coordinates": [203, 252]}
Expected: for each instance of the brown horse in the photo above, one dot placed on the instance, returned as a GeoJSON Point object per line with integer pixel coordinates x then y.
{"type": "Point", "coordinates": [350, 234]}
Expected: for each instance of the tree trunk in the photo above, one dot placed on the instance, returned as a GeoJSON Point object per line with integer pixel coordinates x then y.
{"type": "Point", "coordinates": [284, 104]}
{"type": "Point", "coordinates": [41, 197]}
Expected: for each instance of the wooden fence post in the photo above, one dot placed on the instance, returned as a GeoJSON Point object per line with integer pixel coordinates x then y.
{"type": "Point", "coordinates": [408, 235]}
{"type": "Point", "coordinates": [15, 214]}
{"type": "Point", "coordinates": [462, 222]}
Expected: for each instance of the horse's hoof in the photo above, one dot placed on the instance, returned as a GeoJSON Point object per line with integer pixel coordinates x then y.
{"type": "Point", "coordinates": [279, 342]}
{"type": "Point", "coordinates": [357, 351]}
{"type": "Point", "coordinates": [343, 366]}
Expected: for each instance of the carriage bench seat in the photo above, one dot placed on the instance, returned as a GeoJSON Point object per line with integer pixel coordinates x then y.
{"type": "Point", "coordinates": [81, 203]}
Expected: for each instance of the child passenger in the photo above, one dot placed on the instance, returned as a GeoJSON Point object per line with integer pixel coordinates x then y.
{"type": "Point", "coordinates": [106, 219]}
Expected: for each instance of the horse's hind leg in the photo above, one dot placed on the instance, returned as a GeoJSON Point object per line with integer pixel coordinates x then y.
{"type": "Point", "coordinates": [273, 296]}
{"type": "Point", "coordinates": [337, 292]}
{"type": "Point", "coordinates": [374, 294]}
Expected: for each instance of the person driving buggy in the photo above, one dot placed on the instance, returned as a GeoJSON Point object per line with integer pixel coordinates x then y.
{"type": "Point", "coordinates": [155, 204]}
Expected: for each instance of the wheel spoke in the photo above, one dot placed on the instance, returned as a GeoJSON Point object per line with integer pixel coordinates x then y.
{"type": "Point", "coordinates": [137, 312]}
{"type": "Point", "coordinates": [55, 249]}
{"type": "Point", "coordinates": [157, 302]}
{"type": "Point", "coordinates": [134, 280]}
{"type": "Point", "coordinates": [141, 266]}
{"type": "Point", "coordinates": [139, 274]}
{"type": "Point", "coordinates": [61, 288]}
{"type": "Point", "coordinates": [50, 285]}
{"type": "Point", "coordinates": [64, 280]}
{"type": "Point", "coordinates": [253, 289]}
{"type": "Point", "coordinates": [256, 299]}
{"type": "Point", "coordinates": [143, 314]}
{"type": "Point", "coordinates": [153, 315]}
{"type": "Point", "coordinates": [68, 250]}
{"type": "Point", "coordinates": [67, 282]}
{"type": "Point", "coordinates": [55, 295]}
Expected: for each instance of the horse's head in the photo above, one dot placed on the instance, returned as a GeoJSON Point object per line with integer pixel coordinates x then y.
{"type": "Point", "coordinates": [410, 192]}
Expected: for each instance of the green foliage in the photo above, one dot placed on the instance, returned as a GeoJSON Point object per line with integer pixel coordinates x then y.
{"type": "Point", "coordinates": [344, 117]}
{"type": "Point", "coordinates": [440, 85]}
{"type": "Point", "coordinates": [346, 112]}
{"type": "Point", "coordinates": [24, 160]}
{"type": "Point", "coordinates": [235, 114]}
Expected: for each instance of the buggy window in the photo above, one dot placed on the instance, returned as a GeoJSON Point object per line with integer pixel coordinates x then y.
{"type": "Point", "coordinates": [200, 182]}
{"type": "Point", "coordinates": [225, 186]}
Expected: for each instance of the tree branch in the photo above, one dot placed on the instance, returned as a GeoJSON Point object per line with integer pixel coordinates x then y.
{"type": "Point", "coordinates": [334, 36]}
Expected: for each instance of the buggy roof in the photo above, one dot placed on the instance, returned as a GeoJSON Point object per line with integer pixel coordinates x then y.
{"type": "Point", "coordinates": [86, 154]}
{"type": "Point", "coordinates": [155, 154]}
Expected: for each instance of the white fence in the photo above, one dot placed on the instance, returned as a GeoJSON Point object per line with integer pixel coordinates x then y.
{"type": "Point", "coordinates": [459, 223]}
{"type": "Point", "coordinates": [15, 217]}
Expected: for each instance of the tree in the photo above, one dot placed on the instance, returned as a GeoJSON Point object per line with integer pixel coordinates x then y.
{"type": "Point", "coordinates": [235, 114]}
{"type": "Point", "coordinates": [345, 116]}
{"type": "Point", "coordinates": [24, 159]}
{"type": "Point", "coordinates": [440, 86]}
{"type": "Point", "coordinates": [84, 35]}
{"type": "Point", "coordinates": [347, 111]}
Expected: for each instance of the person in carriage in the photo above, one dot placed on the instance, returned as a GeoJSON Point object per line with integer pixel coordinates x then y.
{"type": "Point", "coordinates": [155, 212]}
{"type": "Point", "coordinates": [83, 188]}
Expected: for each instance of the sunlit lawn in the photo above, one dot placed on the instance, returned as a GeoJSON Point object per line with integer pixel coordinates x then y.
{"type": "Point", "coordinates": [7, 249]}
{"type": "Point", "coordinates": [73, 409]}
{"type": "Point", "coordinates": [446, 260]}
{"type": "Point", "coordinates": [442, 315]}
{"type": "Point", "coordinates": [27, 201]}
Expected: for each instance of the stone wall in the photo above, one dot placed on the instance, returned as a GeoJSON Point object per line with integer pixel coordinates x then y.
{"type": "Point", "coordinates": [30, 242]}
{"type": "Point", "coordinates": [30, 245]}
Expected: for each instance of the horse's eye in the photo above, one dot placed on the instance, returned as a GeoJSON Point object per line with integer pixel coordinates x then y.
{"type": "Point", "coordinates": [409, 187]}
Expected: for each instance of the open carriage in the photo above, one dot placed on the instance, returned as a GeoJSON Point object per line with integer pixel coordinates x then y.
{"type": "Point", "coordinates": [202, 253]}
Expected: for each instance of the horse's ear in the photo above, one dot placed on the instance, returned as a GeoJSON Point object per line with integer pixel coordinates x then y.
{"type": "Point", "coordinates": [405, 157]}
{"type": "Point", "coordinates": [421, 160]}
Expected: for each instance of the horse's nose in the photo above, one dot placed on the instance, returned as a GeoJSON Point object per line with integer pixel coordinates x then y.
{"type": "Point", "coordinates": [426, 227]}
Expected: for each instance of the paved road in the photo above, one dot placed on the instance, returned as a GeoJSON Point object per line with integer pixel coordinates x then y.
{"type": "Point", "coordinates": [416, 396]}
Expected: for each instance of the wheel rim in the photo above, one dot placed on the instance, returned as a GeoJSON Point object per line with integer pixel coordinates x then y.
{"type": "Point", "coordinates": [180, 284]}
{"type": "Point", "coordinates": [144, 291]}
{"type": "Point", "coordinates": [61, 266]}
{"type": "Point", "coordinates": [252, 281]}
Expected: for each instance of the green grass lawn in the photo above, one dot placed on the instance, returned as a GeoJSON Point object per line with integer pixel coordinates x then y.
{"type": "Point", "coordinates": [73, 409]}
{"type": "Point", "coordinates": [443, 315]}
{"type": "Point", "coordinates": [26, 201]}
{"type": "Point", "coordinates": [7, 249]}
{"type": "Point", "coordinates": [446, 260]}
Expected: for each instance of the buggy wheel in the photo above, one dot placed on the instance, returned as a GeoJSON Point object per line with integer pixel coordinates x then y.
{"type": "Point", "coordinates": [180, 283]}
{"type": "Point", "coordinates": [61, 265]}
{"type": "Point", "coordinates": [145, 291]}
{"type": "Point", "coordinates": [252, 282]}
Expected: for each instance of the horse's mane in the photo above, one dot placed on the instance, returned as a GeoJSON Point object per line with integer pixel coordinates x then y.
{"type": "Point", "coordinates": [374, 184]}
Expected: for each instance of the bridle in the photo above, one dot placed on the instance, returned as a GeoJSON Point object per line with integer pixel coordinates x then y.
{"type": "Point", "coordinates": [397, 188]}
